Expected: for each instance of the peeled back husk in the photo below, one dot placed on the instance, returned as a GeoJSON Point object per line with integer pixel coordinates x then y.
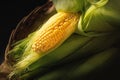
{"type": "Point", "coordinates": [101, 18]}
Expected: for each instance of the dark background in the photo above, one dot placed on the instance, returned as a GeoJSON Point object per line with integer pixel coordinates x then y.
{"type": "Point", "coordinates": [11, 12]}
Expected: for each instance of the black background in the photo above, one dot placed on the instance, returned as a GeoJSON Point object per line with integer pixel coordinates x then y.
{"type": "Point", "coordinates": [11, 12]}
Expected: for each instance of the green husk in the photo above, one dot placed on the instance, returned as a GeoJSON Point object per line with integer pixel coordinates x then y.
{"type": "Point", "coordinates": [81, 47]}
{"type": "Point", "coordinates": [93, 46]}
{"type": "Point", "coordinates": [70, 5]}
{"type": "Point", "coordinates": [100, 18]}
{"type": "Point", "coordinates": [58, 54]}
{"type": "Point", "coordinates": [75, 70]}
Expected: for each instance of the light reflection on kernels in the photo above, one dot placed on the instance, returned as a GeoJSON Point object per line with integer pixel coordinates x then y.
{"type": "Point", "coordinates": [53, 34]}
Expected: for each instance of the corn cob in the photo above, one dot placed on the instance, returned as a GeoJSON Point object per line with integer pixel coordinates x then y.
{"type": "Point", "coordinates": [75, 71]}
{"type": "Point", "coordinates": [49, 33]}
{"type": "Point", "coordinates": [52, 34]}
{"type": "Point", "coordinates": [55, 33]}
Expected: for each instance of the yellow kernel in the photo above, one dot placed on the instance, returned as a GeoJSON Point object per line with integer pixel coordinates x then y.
{"type": "Point", "coordinates": [54, 31]}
